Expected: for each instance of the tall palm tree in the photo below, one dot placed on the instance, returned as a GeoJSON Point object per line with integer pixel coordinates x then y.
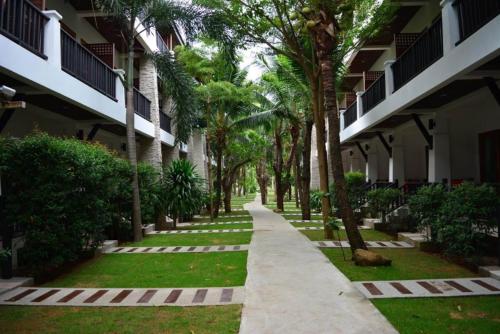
{"type": "Point", "coordinates": [134, 17]}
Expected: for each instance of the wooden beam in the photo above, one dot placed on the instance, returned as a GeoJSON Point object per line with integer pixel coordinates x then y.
{"type": "Point", "coordinates": [363, 153]}
{"type": "Point", "coordinates": [387, 147]}
{"type": "Point", "coordinates": [492, 85]}
{"type": "Point", "coordinates": [93, 132]}
{"type": "Point", "coordinates": [423, 130]}
{"type": "Point", "coordinates": [12, 105]}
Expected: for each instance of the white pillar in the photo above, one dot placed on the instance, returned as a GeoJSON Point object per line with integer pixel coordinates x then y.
{"type": "Point", "coordinates": [396, 162]}
{"type": "Point", "coordinates": [52, 38]}
{"type": "Point", "coordinates": [451, 28]}
{"type": "Point", "coordinates": [341, 117]}
{"type": "Point", "coordinates": [372, 164]}
{"type": "Point", "coordinates": [359, 103]}
{"type": "Point", "coordinates": [389, 77]}
{"type": "Point", "coordinates": [439, 155]}
{"type": "Point", "coordinates": [196, 152]}
{"type": "Point", "coordinates": [120, 89]}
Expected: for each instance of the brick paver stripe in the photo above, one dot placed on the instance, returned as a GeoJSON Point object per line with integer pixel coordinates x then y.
{"type": "Point", "coordinates": [226, 296]}
{"type": "Point", "coordinates": [147, 296]}
{"type": "Point", "coordinates": [200, 295]}
{"type": "Point", "coordinates": [121, 296]}
{"type": "Point", "coordinates": [173, 296]}
{"type": "Point", "coordinates": [429, 287]}
{"type": "Point", "coordinates": [21, 295]}
{"type": "Point", "coordinates": [457, 286]}
{"type": "Point", "coordinates": [485, 285]}
{"type": "Point", "coordinates": [372, 289]}
{"type": "Point", "coordinates": [70, 296]}
{"type": "Point", "coordinates": [46, 295]}
{"type": "Point", "coordinates": [401, 288]}
{"type": "Point", "coordinates": [95, 296]}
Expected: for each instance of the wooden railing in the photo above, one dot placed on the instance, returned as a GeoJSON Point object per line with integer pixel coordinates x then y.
{"type": "Point", "coordinates": [24, 23]}
{"type": "Point", "coordinates": [351, 114]}
{"type": "Point", "coordinates": [473, 14]}
{"type": "Point", "coordinates": [374, 94]}
{"type": "Point", "coordinates": [104, 51]}
{"type": "Point", "coordinates": [142, 106]}
{"type": "Point", "coordinates": [165, 122]}
{"type": "Point", "coordinates": [86, 67]}
{"type": "Point", "coordinates": [426, 50]}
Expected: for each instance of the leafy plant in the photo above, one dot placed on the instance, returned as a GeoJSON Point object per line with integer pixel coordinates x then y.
{"type": "Point", "coordinates": [380, 200]}
{"type": "Point", "coordinates": [355, 189]}
{"type": "Point", "coordinates": [425, 208]}
{"type": "Point", "coordinates": [466, 217]}
{"type": "Point", "coordinates": [315, 200]}
{"type": "Point", "coordinates": [183, 187]}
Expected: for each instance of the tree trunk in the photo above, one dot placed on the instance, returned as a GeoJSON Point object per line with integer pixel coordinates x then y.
{"type": "Point", "coordinates": [306, 172]}
{"type": "Point", "coordinates": [319, 121]}
{"type": "Point", "coordinates": [278, 168]}
{"type": "Point", "coordinates": [227, 199]}
{"type": "Point", "coordinates": [296, 174]}
{"type": "Point", "coordinates": [262, 179]}
{"type": "Point", "coordinates": [328, 75]}
{"type": "Point", "coordinates": [131, 143]}
{"type": "Point", "coordinates": [218, 183]}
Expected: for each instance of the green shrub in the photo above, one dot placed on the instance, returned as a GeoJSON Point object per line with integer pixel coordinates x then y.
{"type": "Point", "coordinates": [315, 200]}
{"type": "Point", "coordinates": [356, 190]}
{"type": "Point", "coordinates": [62, 192]}
{"type": "Point", "coordinates": [380, 200]}
{"type": "Point", "coordinates": [425, 206]}
{"type": "Point", "coordinates": [184, 194]}
{"type": "Point", "coordinates": [466, 217]}
{"type": "Point", "coordinates": [150, 190]}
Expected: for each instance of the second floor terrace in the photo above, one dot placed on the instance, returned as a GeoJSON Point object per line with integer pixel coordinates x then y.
{"type": "Point", "coordinates": [455, 45]}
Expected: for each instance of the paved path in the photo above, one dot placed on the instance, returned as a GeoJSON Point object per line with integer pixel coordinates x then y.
{"type": "Point", "coordinates": [176, 249]}
{"type": "Point", "coordinates": [291, 286]}
{"type": "Point", "coordinates": [451, 287]}
{"type": "Point", "coordinates": [122, 297]}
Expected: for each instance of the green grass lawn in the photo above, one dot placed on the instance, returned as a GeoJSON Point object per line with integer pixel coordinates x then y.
{"type": "Point", "coordinates": [462, 315]}
{"type": "Point", "coordinates": [208, 239]}
{"type": "Point", "coordinates": [298, 217]}
{"type": "Point", "coordinates": [158, 270]}
{"type": "Point", "coordinates": [123, 320]}
{"type": "Point", "coordinates": [307, 224]}
{"type": "Point", "coordinates": [406, 264]}
{"type": "Point", "coordinates": [368, 235]}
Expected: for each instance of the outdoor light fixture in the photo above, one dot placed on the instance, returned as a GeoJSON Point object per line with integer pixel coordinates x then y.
{"type": "Point", "coordinates": [7, 92]}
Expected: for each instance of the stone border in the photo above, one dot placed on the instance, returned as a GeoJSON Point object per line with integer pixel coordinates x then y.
{"type": "Point", "coordinates": [320, 228]}
{"type": "Point", "coordinates": [370, 244]}
{"type": "Point", "coordinates": [123, 297]}
{"type": "Point", "coordinates": [450, 287]}
{"type": "Point", "coordinates": [177, 249]}
{"type": "Point", "coordinates": [214, 223]}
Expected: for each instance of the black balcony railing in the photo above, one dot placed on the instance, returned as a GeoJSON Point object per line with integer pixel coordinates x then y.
{"type": "Point", "coordinates": [24, 23]}
{"type": "Point", "coordinates": [86, 67]}
{"type": "Point", "coordinates": [374, 94]}
{"type": "Point", "coordinates": [351, 114]}
{"type": "Point", "coordinates": [142, 106]}
{"type": "Point", "coordinates": [165, 122]}
{"type": "Point", "coordinates": [426, 50]}
{"type": "Point", "coordinates": [473, 14]}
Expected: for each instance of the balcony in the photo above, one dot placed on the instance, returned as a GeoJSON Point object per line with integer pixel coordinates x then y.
{"type": "Point", "coordinates": [426, 50]}
{"type": "Point", "coordinates": [24, 23]}
{"type": "Point", "coordinates": [351, 114]}
{"type": "Point", "coordinates": [162, 46]}
{"type": "Point", "coordinates": [374, 94]}
{"type": "Point", "coordinates": [473, 14]}
{"type": "Point", "coordinates": [142, 106]}
{"type": "Point", "coordinates": [86, 67]}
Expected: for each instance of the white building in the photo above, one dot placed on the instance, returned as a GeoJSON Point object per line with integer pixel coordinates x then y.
{"type": "Point", "coordinates": [422, 100]}
{"type": "Point", "coordinates": [65, 60]}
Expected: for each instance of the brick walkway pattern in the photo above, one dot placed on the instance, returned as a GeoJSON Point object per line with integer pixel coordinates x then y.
{"type": "Point", "coordinates": [123, 297]}
{"type": "Point", "coordinates": [201, 231]}
{"type": "Point", "coordinates": [214, 223]}
{"type": "Point", "coordinates": [320, 228]}
{"type": "Point", "coordinates": [176, 249]}
{"type": "Point", "coordinates": [369, 244]}
{"type": "Point", "coordinates": [451, 287]}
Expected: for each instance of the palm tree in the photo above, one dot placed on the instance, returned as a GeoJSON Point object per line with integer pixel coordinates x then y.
{"type": "Point", "coordinates": [134, 17]}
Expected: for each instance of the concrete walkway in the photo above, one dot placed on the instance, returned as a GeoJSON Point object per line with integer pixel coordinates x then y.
{"type": "Point", "coordinates": [291, 286]}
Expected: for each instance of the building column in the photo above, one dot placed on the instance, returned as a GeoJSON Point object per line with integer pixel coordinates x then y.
{"type": "Point", "coordinates": [341, 118]}
{"type": "Point", "coordinates": [451, 28]}
{"type": "Point", "coordinates": [52, 38]}
{"type": "Point", "coordinates": [389, 77]}
{"type": "Point", "coordinates": [397, 161]}
{"type": "Point", "coordinates": [372, 164]}
{"type": "Point", "coordinates": [359, 103]}
{"type": "Point", "coordinates": [148, 83]}
{"type": "Point", "coordinates": [314, 161]}
{"type": "Point", "coordinates": [196, 153]}
{"type": "Point", "coordinates": [439, 155]}
{"type": "Point", "coordinates": [355, 162]}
